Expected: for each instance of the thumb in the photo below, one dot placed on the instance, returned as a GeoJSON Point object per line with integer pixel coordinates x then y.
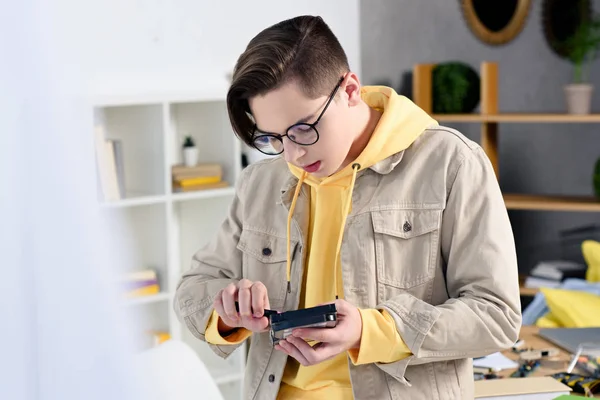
{"type": "Point", "coordinates": [342, 307]}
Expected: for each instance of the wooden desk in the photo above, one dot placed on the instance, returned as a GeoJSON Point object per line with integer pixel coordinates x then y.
{"type": "Point", "coordinates": [547, 367]}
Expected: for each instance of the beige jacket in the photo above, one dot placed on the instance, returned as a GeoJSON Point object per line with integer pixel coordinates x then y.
{"type": "Point", "coordinates": [428, 240]}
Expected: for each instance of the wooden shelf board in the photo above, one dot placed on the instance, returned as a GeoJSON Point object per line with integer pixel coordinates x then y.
{"type": "Point", "coordinates": [154, 298]}
{"type": "Point", "coordinates": [551, 203]}
{"type": "Point", "coordinates": [528, 292]}
{"type": "Point", "coordinates": [203, 194]}
{"type": "Point", "coordinates": [519, 118]}
{"type": "Point", "coordinates": [135, 201]}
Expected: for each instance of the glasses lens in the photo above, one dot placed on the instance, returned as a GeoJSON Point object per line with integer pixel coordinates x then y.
{"type": "Point", "coordinates": [303, 134]}
{"type": "Point", "coordinates": [268, 144]}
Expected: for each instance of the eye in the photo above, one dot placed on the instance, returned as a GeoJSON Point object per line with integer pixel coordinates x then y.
{"type": "Point", "coordinates": [301, 129]}
{"type": "Point", "coordinates": [262, 139]}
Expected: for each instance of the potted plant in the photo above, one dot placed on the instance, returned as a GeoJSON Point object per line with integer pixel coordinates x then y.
{"type": "Point", "coordinates": [582, 48]}
{"type": "Point", "coordinates": [190, 152]}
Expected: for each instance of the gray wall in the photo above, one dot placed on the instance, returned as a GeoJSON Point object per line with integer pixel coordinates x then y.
{"type": "Point", "coordinates": [534, 158]}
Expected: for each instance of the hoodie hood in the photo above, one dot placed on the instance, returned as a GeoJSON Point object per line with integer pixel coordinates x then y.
{"type": "Point", "coordinates": [399, 126]}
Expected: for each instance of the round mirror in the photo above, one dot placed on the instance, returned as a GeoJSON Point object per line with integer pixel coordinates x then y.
{"type": "Point", "coordinates": [560, 19]}
{"type": "Point", "coordinates": [495, 21]}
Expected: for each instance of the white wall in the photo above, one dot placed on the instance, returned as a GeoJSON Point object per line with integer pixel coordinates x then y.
{"type": "Point", "coordinates": [139, 46]}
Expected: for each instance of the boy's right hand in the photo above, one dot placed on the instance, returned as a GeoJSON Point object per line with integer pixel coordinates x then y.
{"type": "Point", "coordinates": [253, 300]}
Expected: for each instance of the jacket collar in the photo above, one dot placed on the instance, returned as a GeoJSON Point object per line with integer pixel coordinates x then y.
{"type": "Point", "coordinates": [382, 167]}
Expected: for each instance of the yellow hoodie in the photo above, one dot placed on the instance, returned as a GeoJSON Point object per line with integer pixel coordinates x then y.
{"type": "Point", "coordinates": [400, 124]}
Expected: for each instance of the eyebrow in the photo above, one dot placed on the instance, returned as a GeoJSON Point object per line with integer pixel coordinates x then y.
{"type": "Point", "coordinates": [300, 121]}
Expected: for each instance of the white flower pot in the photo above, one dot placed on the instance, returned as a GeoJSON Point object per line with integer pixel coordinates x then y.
{"type": "Point", "coordinates": [190, 156]}
{"type": "Point", "coordinates": [579, 98]}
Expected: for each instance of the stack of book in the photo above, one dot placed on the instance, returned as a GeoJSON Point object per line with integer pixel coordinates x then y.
{"type": "Point", "coordinates": [140, 283]}
{"type": "Point", "coordinates": [198, 177]}
{"type": "Point", "coordinates": [109, 161]}
{"type": "Point", "coordinates": [552, 273]}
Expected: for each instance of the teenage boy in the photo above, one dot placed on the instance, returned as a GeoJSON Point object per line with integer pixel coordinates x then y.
{"type": "Point", "coordinates": [368, 203]}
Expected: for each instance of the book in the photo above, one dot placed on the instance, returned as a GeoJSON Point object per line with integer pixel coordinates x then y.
{"type": "Point", "coordinates": [183, 172]}
{"type": "Point", "coordinates": [201, 180]}
{"type": "Point", "coordinates": [530, 388]}
{"type": "Point", "coordinates": [558, 270]}
{"type": "Point", "coordinates": [205, 186]}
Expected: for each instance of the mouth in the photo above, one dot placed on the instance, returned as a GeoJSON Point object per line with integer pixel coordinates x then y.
{"type": "Point", "coordinates": [314, 167]}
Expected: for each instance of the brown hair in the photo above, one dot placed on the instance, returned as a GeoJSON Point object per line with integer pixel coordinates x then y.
{"type": "Point", "coordinates": [302, 49]}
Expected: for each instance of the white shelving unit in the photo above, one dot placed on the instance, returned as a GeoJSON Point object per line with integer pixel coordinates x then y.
{"type": "Point", "coordinates": [159, 228]}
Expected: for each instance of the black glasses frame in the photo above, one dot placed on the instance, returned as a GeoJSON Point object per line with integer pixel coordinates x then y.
{"type": "Point", "coordinates": [313, 126]}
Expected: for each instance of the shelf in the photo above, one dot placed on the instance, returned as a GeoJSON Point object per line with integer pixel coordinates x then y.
{"type": "Point", "coordinates": [148, 299]}
{"type": "Point", "coordinates": [519, 118]}
{"type": "Point", "coordinates": [551, 203]}
{"type": "Point", "coordinates": [203, 194]}
{"type": "Point", "coordinates": [135, 201]}
{"type": "Point", "coordinates": [527, 291]}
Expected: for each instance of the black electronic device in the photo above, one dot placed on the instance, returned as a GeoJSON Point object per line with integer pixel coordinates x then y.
{"type": "Point", "coordinates": [284, 323]}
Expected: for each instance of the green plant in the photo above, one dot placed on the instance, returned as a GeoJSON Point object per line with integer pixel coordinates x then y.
{"type": "Point", "coordinates": [189, 142]}
{"type": "Point", "coordinates": [455, 88]}
{"type": "Point", "coordinates": [597, 179]}
{"type": "Point", "coordinates": [583, 46]}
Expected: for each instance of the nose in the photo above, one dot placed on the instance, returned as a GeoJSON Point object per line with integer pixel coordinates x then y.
{"type": "Point", "coordinates": [292, 151]}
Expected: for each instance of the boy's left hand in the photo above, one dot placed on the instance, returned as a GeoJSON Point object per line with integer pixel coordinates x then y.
{"type": "Point", "coordinates": [331, 341]}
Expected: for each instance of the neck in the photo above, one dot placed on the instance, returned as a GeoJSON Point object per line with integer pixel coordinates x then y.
{"type": "Point", "coordinates": [367, 120]}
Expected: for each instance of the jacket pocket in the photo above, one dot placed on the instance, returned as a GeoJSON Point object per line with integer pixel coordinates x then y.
{"type": "Point", "coordinates": [264, 260]}
{"type": "Point", "coordinates": [406, 242]}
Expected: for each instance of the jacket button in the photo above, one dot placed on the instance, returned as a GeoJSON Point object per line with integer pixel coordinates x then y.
{"type": "Point", "coordinates": [266, 251]}
{"type": "Point", "coordinates": [407, 227]}
{"type": "Point", "coordinates": [271, 378]}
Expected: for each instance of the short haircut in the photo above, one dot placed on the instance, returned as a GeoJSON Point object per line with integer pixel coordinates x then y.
{"type": "Point", "coordinates": [301, 49]}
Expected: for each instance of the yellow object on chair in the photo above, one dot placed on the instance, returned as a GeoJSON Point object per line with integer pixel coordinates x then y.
{"type": "Point", "coordinates": [573, 308]}
{"type": "Point", "coordinates": [591, 254]}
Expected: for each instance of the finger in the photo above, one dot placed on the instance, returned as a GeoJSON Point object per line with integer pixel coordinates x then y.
{"type": "Point", "coordinates": [342, 307]}
{"type": "Point", "coordinates": [229, 294]}
{"type": "Point", "coordinates": [280, 348]}
{"type": "Point", "coordinates": [257, 324]}
{"type": "Point", "coordinates": [326, 351]}
{"type": "Point", "coordinates": [218, 304]}
{"type": "Point", "coordinates": [292, 350]}
{"type": "Point", "coordinates": [244, 298]}
{"type": "Point", "coordinates": [326, 335]}
{"type": "Point", "coordinates": [259, 294]}
{"type": "Point", "coordinates": [317, 353]}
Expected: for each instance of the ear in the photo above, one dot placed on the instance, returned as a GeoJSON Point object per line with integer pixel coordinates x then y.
{"type": "Point", "coordinates": [351, 86]}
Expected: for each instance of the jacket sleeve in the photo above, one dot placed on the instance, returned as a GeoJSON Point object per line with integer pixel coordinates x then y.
{"type": "Point", "coordinates": [483, 314]}
{"type": "Point", "coordinates": [213, 267]}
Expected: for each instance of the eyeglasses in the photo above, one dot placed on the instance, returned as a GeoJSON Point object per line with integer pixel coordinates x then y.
{"type": "Point", "coordinates": [302, 133]}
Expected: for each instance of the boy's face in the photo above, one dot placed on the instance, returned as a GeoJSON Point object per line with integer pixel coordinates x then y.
{"type": "Point", "coordinates": [279, 109]}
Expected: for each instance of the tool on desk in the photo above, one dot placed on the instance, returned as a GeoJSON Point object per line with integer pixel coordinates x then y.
{"type": "Point", "coordinates": [591, 353]}
{"type": "Point", "coordinates": [538, 354]}
{"type": "Point", "coordinates": [526, 369]}
{"type": "Point", "coordinates": [579, 383]}
{"type": "Point", "coordinates": [589, 365]}
{"type": "Point", "coordinates": [518, 346]}
{"type": "Point", "coordinates": [482, 370]}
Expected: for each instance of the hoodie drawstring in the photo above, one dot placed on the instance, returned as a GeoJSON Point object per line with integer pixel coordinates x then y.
{"type": "Point", "coordinates": [338, 269]}
{"type": "Point", "coordinates": [289, 229]}
{"type": "Point", "coordinates": [348, 203]}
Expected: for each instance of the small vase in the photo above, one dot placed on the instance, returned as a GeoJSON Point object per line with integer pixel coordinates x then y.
{"type": "Point", "coordinates": [190, 156]}
{"type": "Point", "coordinates": [579, 98]}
